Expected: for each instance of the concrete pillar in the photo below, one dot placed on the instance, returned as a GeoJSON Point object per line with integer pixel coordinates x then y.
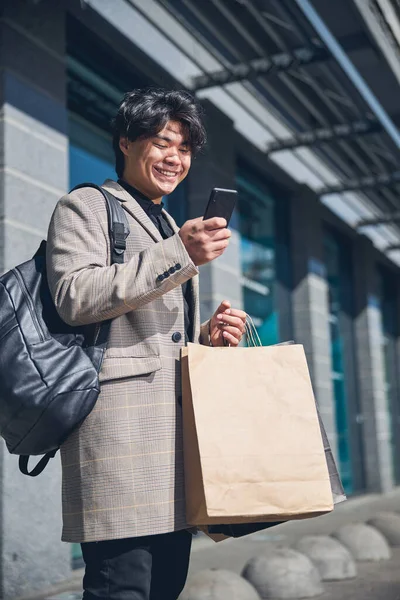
{"type": "Point", "coordinates": [33, 176]}
{"type": "Point", "coordinates": [220, 279]}
{"type": "Point", "coordinates": [370, 361]}
{"type": "Point", "coordinates": [310, 301]}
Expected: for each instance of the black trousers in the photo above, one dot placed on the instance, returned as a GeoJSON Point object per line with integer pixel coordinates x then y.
{"type": "Point", "coordinates": [145, 568]}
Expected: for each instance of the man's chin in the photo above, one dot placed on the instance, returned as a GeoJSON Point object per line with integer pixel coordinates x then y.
{"type": "Point", "coordinates": [166, 190]}
{"type": "Point", "coordinates": [162, 188]}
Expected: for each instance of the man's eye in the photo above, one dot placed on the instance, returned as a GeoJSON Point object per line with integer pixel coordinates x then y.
{"type": "Point", "coordinates": [185, 150]}
{"type": "Point", "coordinates": [160, 145]}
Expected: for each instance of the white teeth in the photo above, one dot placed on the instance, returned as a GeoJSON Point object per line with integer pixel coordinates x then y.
{"type": "Point", "coordinates": [166, 173]}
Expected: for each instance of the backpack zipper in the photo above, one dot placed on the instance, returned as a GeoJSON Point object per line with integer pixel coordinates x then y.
{"type": "Point", "coordinates": [29, 302]}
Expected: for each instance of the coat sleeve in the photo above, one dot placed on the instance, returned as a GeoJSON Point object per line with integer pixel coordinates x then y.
{"type": "Point", "coordinates": [85, 289]}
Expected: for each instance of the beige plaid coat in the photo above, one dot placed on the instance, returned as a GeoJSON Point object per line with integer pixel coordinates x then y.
{"type": "Point", "coordinates": [123, 468]}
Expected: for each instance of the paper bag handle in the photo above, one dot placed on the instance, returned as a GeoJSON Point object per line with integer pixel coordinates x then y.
{"type": "Point", "coordinates": [253, 339]}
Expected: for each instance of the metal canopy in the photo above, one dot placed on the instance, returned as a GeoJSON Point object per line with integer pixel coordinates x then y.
{"type": "Point", "coordinates": [261, 66]}
{"type": "Point", "coordinates": [287, 63]}
{"type": "Point", "coordinates": [362, 184]}
{"type": "Point", "coordinates": [313, 53]}
{"type": "Point", "coordinates": [326, 134]}
{"type": "Point", "coordinates": [382, 220]}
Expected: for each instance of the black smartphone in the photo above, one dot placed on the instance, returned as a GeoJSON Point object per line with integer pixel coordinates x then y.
{"type": "Point", "coordinates": [221, 204]}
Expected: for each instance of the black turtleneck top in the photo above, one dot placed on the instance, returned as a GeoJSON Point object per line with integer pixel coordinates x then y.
{"type": "Point", "coordinates": [155, 214]}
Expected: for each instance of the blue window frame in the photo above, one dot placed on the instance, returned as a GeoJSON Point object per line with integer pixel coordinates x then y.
{"type": "Point", "coordinates": [91, 156]}
{"type": "Point", "coordinates": [387, 301]}
{"type": "Point", "coordinates": [338, 273]}
{"type": "Point", "coordinates": [264, 253]}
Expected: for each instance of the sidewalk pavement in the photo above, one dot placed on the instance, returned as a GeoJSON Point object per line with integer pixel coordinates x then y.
{"type": "Point", "coordinates": [375, 581]}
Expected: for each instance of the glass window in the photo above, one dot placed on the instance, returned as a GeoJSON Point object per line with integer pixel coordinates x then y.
{"type": "Point", "coordinates": [92, 102]}
{"type": "Point", "coordinates": [257, 224]}
{"type": "Point", "coordinates": [91, 157]}
{"type": "Point", "coordinates": [338, 278]}
{"type": "Point", "coordinates": [388, 323]}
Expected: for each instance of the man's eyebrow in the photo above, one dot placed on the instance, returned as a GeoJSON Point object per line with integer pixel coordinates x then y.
{"type": "Point", "coordinates": [165, 138]}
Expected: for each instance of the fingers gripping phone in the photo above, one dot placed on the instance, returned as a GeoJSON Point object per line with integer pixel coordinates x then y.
{"type": "Point", "coordinates": [221, 204]}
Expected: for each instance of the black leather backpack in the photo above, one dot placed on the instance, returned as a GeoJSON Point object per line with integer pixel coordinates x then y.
{"type": "Point", "coordinates": [48, 369]}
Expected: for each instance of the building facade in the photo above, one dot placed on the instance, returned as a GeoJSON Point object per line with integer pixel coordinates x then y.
{"type": "Point", "coordinates": [297, 262]}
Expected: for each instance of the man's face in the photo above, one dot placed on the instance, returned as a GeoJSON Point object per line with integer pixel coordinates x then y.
{"type": "Point", "coordinates": [155, 166]}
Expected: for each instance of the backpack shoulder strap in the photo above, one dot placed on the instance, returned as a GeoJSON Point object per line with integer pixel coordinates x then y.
{"type": "Point", "coordinates": [119, 230]}
{"type": "Point", "coordinates": [118, 226]}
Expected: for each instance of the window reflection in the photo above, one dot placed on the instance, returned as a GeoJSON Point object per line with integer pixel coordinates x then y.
{"type": "Point", "coordinates": [388, 327]}
{"type": "Point", "coordinates": [336, 264]}
{"type": "Point", "coordinates": [256, 217]}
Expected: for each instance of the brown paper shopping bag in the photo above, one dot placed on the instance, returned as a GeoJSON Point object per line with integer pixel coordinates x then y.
{"type": "Point", "coordinates": [253, 448]}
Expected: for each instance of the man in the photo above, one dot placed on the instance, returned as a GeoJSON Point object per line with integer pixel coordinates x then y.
{"type": "Point", "coordinates": [123, 483]}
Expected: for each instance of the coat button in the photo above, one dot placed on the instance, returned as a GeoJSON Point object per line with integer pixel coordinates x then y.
{"type": "Point", "coordinates": [166, 274]}
{"type": "Point", "coordinates": [176, 337]}
{"type": "Point", "coordinates": [160, 278]}
{"type": "Point", "coordinates": [172, 270]}
{"type": "Point", "coordinates": [178, 266]}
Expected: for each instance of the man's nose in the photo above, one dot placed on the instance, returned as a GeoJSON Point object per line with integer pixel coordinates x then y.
{"type": "Point", "coordinates": [173, 157]}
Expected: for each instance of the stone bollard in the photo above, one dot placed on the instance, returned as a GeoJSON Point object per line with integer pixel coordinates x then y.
{"type": "Point", "coordinates": [364, 542]}
{"type": "Point", "coordinates": [333, 561]}
{"type": "Point", "coordinates": [388, 523]}
{"type": "Point", "coordinates": [283, 573]}
{"type": "Point", "coordinates": [218, 584]}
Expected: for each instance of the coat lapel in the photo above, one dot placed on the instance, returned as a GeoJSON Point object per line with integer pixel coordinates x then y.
{"type": "Point", "coordinates": [194, 287]}
{"type": "Point", "coordinates": [133, 208]}
{"type": "Point", "coordinates": [171, 221]}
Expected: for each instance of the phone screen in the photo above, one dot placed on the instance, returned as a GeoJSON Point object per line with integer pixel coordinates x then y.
{"type": "Point", "coordinates": [221, 204]}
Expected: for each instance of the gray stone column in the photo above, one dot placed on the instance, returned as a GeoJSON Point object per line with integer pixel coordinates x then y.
{"type": "Point", "coordinates": [33, 175]}
{"type": "Point", "coordinates": [310, 301]}
{"type": "Point", "coordinates": [220, 279]}
{"type": "Point", "coordinates": [373, 400]}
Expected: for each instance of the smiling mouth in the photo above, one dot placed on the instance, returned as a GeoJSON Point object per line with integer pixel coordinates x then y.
{"type": "Point", "coordinates": [166, 173]}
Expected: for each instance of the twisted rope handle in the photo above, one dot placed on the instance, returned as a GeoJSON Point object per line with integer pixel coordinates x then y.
{"type": "Point", "coordinates": [253, 339]}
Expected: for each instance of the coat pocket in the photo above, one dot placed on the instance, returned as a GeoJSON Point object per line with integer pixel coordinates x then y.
{"type": "Point", "coordinates": [128, 366]}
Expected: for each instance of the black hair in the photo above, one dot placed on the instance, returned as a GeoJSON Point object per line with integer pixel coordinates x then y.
{"type": "Point", "coordinates": [144, 112]}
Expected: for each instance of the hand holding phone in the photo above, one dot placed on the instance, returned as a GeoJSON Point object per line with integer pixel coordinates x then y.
{"type": "Point", "coordinates": [207, 238]}
{"type": "Point", "coordinates": [221, 204]}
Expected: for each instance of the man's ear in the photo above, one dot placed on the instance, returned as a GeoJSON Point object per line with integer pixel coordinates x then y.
{"type": "Point", "coordinates": [124, 145]}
